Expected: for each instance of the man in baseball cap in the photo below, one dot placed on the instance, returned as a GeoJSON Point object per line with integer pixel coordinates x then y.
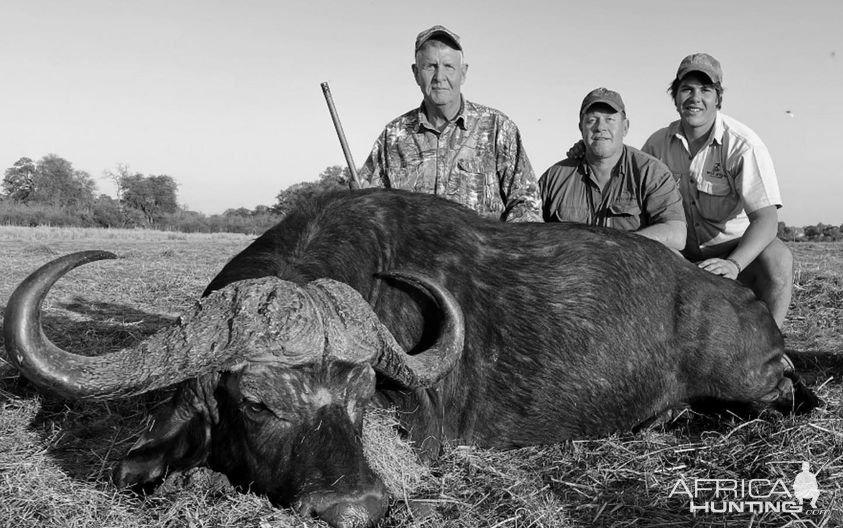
{"type": "Point", "coordinates": [613, 185]}
{"type": "Point", "coordinates": [728, 185]}
{"type": "Point", "coordinates": [453, 147]}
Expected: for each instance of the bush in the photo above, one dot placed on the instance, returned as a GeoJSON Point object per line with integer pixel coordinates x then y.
{"type": "Point", "coordinates": [251, 225]}
{"type": "Point", "coordinates": [13, 213]}
{"type": "Point", "coordinates": [193, 222]}
{"type": "Point", "coordinates": [109, 213]}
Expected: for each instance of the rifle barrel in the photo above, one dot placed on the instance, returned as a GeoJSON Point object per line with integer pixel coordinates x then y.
{"type": "Point", "coordinates": [353, 183]}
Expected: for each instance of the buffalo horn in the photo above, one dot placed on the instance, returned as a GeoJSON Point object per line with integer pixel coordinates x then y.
{"type": "Point", "coordinates": [426, 368]}
{"type": "Point", "coordinates": [171, 355]}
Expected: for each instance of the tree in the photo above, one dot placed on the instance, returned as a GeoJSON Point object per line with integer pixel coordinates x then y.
{"type": "Point", "coordinates": [19, 180]}
{"type": "Point", "coordinates": [117, 175]}
{"type": "Point", "coordinates": [262, 210]}
{"type": "Point", "coordinates": [240, 212]}
{"type": "Point", "coordinates": [831, 233]}
{"type": "Point", "coordinates": [812, 232]}
{"type": "Point", "coordinates": [785, 232]}
{"type": "Point", "coordinates": [58, 184]}
{"type": "Point", "coordinates": [334, 178]}
{"type": "Point", "coordinates": [108, 212]}
{"type": "Point", "coordinates": [154, 196]}
{"type": "Point", "coordinates": [52, 181]}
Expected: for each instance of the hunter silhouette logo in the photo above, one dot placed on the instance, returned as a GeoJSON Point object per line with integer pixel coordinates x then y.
{"type": "Point", "coordinates": [718, 495]}
{"type": "Point", "coordinates": [805, 485]}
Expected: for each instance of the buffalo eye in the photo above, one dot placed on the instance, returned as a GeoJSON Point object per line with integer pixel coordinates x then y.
{"type": "Point", "coordinates": [254, 409]}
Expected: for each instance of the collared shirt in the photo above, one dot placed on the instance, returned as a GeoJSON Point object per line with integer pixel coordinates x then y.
{"type": "Point", "coordinates": [640, 193]}
{"type": "Point", "coordinates": [730, 176]}
{"type": "Point", "coordinates": [477, 160]}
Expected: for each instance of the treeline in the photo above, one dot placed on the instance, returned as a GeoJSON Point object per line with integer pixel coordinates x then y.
{"type": "Point", "coordinates": [52, 192]}
{"type": "Point", "coordinates": [812, 233]}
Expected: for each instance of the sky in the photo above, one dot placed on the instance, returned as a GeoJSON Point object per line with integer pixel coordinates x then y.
{"type": "Point", "coordinates": [225, 96]}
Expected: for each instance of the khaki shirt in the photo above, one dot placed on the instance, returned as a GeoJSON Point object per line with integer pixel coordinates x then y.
{"type": "Point", "coordinates": [641, 192]}
{"type": "Point", "coordinates": [730, 176]}
{"type": "Point", "coordinates": [477, 160]}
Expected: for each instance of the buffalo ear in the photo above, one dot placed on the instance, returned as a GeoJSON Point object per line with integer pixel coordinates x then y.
{"type": "Point", "coordinates": [179, 438]}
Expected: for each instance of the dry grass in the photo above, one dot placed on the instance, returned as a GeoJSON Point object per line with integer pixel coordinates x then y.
{"type": "Point", "coordinates": [56, 456]}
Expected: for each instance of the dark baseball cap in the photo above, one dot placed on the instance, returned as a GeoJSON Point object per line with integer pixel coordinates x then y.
{"type": "Point", "coordinates": [703, 63]}
{"type": "Point", "coordinates": [605, 96]}
{"type": "Point", "coordinates": [441, 32]}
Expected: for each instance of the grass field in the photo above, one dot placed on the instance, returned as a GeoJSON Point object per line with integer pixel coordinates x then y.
{"type": "Point", "coordinates": [56, 456]}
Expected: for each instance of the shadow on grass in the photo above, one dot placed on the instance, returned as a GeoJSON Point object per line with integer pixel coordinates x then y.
{"type": "Point", "coordinates": [817, 366]}
{"type": "Point", "coordinates": [108, 326]}
{"type": "Point", "coordinates": [86, 438]}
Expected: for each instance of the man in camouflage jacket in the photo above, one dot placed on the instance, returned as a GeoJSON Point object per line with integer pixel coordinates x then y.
{"type": "Point", "coordinates": [449, 146]}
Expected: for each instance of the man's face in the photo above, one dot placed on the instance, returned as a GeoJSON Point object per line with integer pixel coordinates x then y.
{"type": "Point", "coordinates": [696, 101]}
{"type": "Point", "coordinates": [440, 73]}
{"type": "Point", "coordinates": [603, 129]}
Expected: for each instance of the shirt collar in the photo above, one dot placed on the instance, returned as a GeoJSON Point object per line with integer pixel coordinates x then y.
{"type": "Point", "coordinates": [460, 118]}
{"type": "Point", "coordinates": [716, 136]}
{"type": "Point", "coordinates": [719, 129]}
{"type": "Point", "coordinates": [621, 165]}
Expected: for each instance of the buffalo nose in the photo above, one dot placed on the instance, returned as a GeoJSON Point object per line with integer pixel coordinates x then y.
{"type": "Point", "coordinates": [361, 511]}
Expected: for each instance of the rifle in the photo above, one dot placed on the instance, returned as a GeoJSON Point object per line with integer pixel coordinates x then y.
{"type": "Point", "coordinates": [353, 182]}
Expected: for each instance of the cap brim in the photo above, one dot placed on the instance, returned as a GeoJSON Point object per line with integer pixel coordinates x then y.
{"type": "Point", "coordinates": [611, 104]}
{"type": "Point", "coordinates": [712, 76]}
{"type": "Point", "coordinates": [443, 35]}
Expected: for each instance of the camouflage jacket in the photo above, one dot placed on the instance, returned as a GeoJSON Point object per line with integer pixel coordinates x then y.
{"type": "Point", "coordinates": [477, 160]}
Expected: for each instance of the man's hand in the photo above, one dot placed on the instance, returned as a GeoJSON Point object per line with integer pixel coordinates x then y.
{"type": "Point", "coordinates": [577, 150]}
{"type": "Point", "coordinates": [724, 267]}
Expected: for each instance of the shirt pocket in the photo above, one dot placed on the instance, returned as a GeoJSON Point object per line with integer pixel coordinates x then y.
{"type": "Point", "coordinates": [401, 178]}
{"type": "Point", "coordinates": [625, 213]}
{"type": "Point", "coordinates": [568, 213]}
{"type": "Point", "coordinates": [467, 184]}
{"type": "Point", "coordinates": [717, 200]}
{"type": "Point", "coordinates": [625, 205]}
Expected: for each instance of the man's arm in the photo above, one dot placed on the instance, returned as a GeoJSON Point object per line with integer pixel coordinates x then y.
{"type": "Point", "coordinates": [671, 233]}
{"type": "Point", "coordinates": [663, 207]}
{"type": "Point", "coordinates": [763, 228]}
{"type": "Point", "coordinates": [760, 193]}
{"type": "Point", "coordinates": [518, 188]}
{"type": "Point", "coordinates": [373, 173]}
{"type": "Point", "coordinates": [544, 185]}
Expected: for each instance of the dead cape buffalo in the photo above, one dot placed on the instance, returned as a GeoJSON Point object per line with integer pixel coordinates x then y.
{"type": "Point", "coordinates": [476, 331]}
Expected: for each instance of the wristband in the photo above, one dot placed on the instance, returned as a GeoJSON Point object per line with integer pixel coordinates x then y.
{"type": "Point", "coordinates": [735, 262]}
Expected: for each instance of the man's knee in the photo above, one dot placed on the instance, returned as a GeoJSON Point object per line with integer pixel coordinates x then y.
{"type": "Point", "coordinates": [774, 265]}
